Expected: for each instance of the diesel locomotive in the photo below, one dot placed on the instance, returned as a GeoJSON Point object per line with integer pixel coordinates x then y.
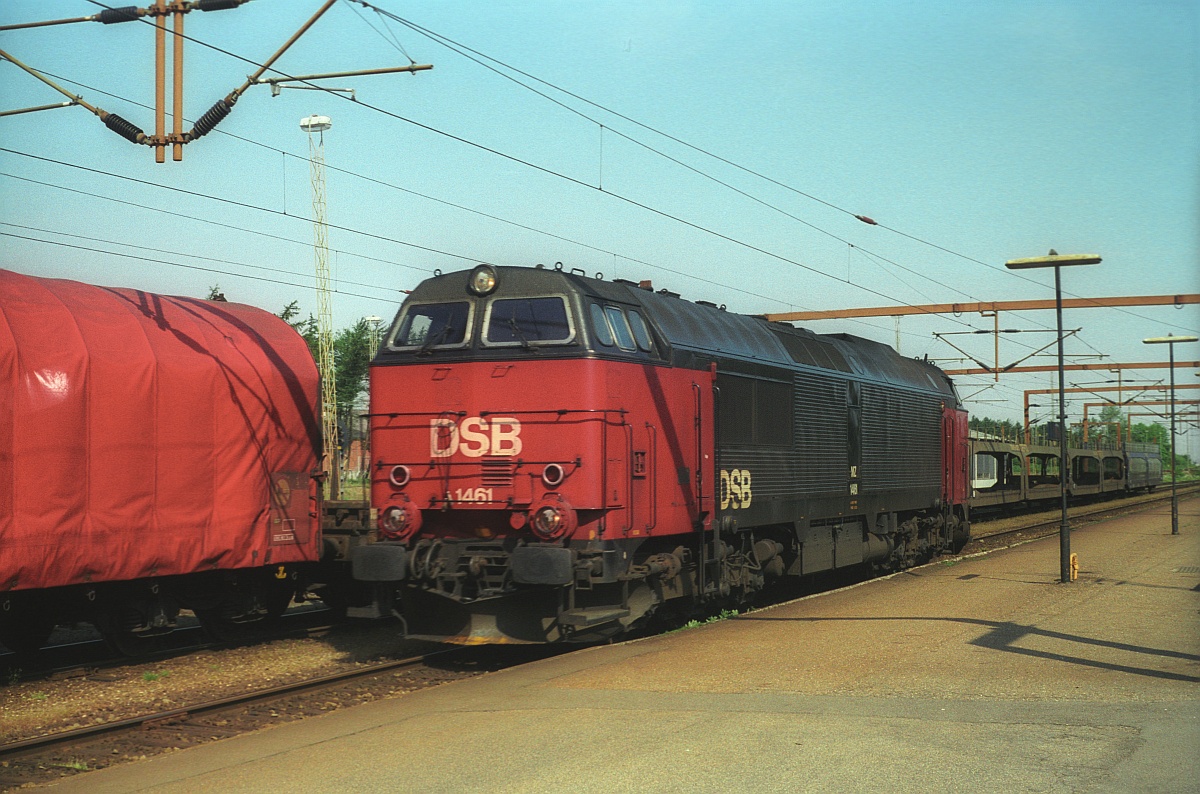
{"type": "Point", "coordinates": [564, 458]}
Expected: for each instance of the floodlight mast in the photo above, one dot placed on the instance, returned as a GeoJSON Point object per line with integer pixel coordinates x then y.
{"type": "Point", "coordinates": [315, 127]}
{"type": "Point", "coordinates": [1057, 261]}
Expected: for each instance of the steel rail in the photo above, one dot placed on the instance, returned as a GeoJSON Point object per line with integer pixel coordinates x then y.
{"type": "Point", "coordinates": [149, 720]}
{"type": "Point", "coordinates": [1051, 525]}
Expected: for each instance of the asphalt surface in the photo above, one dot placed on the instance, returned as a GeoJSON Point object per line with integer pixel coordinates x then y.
{"type": "Point", "coordinates": [984, 674]}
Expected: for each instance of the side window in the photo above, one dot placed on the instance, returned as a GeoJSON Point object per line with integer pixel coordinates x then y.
{"type": "Point", "coordinates": [641, 333]}
{"type": "Point", "coordinates": [604, 334]}
{"type": "Point", "coordinates": [620, 327]}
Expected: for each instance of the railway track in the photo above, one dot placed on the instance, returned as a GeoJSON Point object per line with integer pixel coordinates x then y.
{"type": "Point", "coordinates": [84, 656]}
{"type": "Point", "coordinates": [1048, 523]}
{"type": "Point", "coordinates": [43, 759]}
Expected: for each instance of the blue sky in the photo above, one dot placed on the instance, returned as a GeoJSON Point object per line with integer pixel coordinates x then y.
{"type": "Point", "coordinates": [991, 130]}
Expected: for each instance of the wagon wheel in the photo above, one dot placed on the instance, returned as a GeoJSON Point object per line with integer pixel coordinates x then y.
{"type": "Point", "coordinates": [224, 623]}
{"type": "Point", "coordinates": [113, 620]}
{"type": "Point", "coordinates": [126, 643]}
{"type": "Point", "coordinates": [24, 632]}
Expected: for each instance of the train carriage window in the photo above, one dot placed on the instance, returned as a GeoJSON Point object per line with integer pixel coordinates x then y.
{"type": "Point", "coordinates": [528, 321]}
{"type": "Point", "coordinates": [620, 327]}
{"type": "Point", "coordinates": [604, 334]}
{"type": "Point", "coordinates": [431, 325]}
{"type": "Point", "coordinates": [986, 472]}
{"type": "Point", "coordinates": [641, 332]}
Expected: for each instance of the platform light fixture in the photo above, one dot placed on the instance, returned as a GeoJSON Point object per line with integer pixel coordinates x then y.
{"type": "Point", "coordinates": [1059, 261]}
{"type": "Point", "coordinates": [1170, 341]}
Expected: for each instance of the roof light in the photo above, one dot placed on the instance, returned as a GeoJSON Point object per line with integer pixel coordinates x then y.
{"type": "Point", "coordinates": [482, 281]}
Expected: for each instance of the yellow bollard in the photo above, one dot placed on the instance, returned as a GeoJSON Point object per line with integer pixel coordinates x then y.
{"type": "Point", "coordinates": [1074, 567]}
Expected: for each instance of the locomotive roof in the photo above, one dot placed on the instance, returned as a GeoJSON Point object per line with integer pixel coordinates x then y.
{"type": "Point", "coordinates": [710, 330]}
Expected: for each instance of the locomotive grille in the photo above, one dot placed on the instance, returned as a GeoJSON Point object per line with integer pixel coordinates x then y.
{"type": "Point", "coordinates": [497, 473]}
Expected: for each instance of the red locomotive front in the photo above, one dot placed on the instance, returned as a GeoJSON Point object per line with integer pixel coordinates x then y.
{"type": "Point", "coordinates": [508, 453]}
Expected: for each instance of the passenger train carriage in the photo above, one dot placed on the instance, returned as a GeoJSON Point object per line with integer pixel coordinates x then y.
{"type": "Point", "coordinates": [559, 457]}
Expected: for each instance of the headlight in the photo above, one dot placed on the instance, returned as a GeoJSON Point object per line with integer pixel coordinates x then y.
{"type": "Point", "coordinates": [483, 280]}
{"type": "Point", "coordinates": [548, 522]}
{"type": "Point", "coordinates": [393, 521]}
{"type": "Point", "coordinates": [552, 518]}
{"type": "Point", "coordinates": [399, 521]}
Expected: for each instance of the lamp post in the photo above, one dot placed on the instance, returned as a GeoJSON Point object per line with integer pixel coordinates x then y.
{"type": "Point", "coordinates": [1057, 261]}
{"type": "Point", "coordinates": [1170, 341]}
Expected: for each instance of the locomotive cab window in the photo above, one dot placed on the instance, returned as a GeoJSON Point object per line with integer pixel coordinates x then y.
{"type": "Point", "coordinates": [429, 325]}
{"type": "Point", "coordinates": [600, 327]}
{"type": "Point", "coordinates": [625, 329]}
{"type": "Point", "coordinates": [641, 332]}
{"type": "Point", "coordinates": [528, 321]}
{"type": "Point", "coordinates": [620, 327]}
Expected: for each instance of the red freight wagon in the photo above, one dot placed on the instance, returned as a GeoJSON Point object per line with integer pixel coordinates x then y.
{"type": "Point", "coordinates": [156, 453]}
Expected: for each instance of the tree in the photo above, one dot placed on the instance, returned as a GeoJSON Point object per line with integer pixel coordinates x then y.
{"type": "Point", "coordinates": [306, 328]}
{"type": "Point", "coordinates": [352, 359]}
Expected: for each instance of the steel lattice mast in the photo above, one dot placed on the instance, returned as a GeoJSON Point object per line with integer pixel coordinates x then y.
{"type": "Point", "coordinates": [316, 126]}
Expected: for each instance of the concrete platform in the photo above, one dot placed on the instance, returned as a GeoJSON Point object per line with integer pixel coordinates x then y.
{"type": "Point", "coordinates": [982, 675]}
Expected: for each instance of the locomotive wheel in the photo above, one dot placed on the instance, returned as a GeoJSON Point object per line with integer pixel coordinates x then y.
{"type": "Point", "coordinates": [24, 632]}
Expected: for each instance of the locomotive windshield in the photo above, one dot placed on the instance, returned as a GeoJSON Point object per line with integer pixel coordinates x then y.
{"type": "Point", "coordinates": [433, 325]}
{"type": "Point", "coordinates": [524, 321]}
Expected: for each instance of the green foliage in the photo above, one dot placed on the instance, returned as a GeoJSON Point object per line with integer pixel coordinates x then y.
{"type": "Point", "coordinates": [351, 356]}
{"type": "Point", "coordinates": [306, 328]}
{"type": "Point", "coordinates": [724, 614]}
{"type": "Point", "coordinates": [72, 763]}
{"type": "Point", "coordinates": [149, 675]}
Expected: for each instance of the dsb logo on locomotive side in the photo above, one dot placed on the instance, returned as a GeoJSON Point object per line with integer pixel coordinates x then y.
{"type": "Point", "coordinates": [735, 489]}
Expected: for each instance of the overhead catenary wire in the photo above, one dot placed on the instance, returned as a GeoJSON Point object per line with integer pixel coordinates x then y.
{"type": "Point", "coordinates": [543, 169]}
{"type": "Point", "coordinates": [564, 176]}
{"type": "Point", "coordinates": [179, 264]}
{"type": "Point", "coordinates": [464, 257]}
{"type": "Point", "coordinates": [218, 260]}
{"type": "Point", "coordinates": [209, 221]}
{"type": "Point", "coordinates": [462, 49]}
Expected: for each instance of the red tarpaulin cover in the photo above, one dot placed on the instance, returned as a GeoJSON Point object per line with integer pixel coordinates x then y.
{"type": "Point", "coordinates": [144, 435]}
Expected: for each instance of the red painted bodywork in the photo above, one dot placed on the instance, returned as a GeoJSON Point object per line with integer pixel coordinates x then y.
{"type": "Point", "coordinates": [635, 442]}
{"type": "Point", "coordinates": [143, 435]}
{"type": "Point", "coordinates": [955, 456]}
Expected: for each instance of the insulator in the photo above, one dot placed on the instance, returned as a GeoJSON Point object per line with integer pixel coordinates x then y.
{"type": "Point", "coordinates": [110, 16]}
{"type": "Point", "coordinates": [211, 118]}
{"type": "Point", "coordinates": [126, 129]}
{"type": "Point", "coordinates": [215, 5]}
